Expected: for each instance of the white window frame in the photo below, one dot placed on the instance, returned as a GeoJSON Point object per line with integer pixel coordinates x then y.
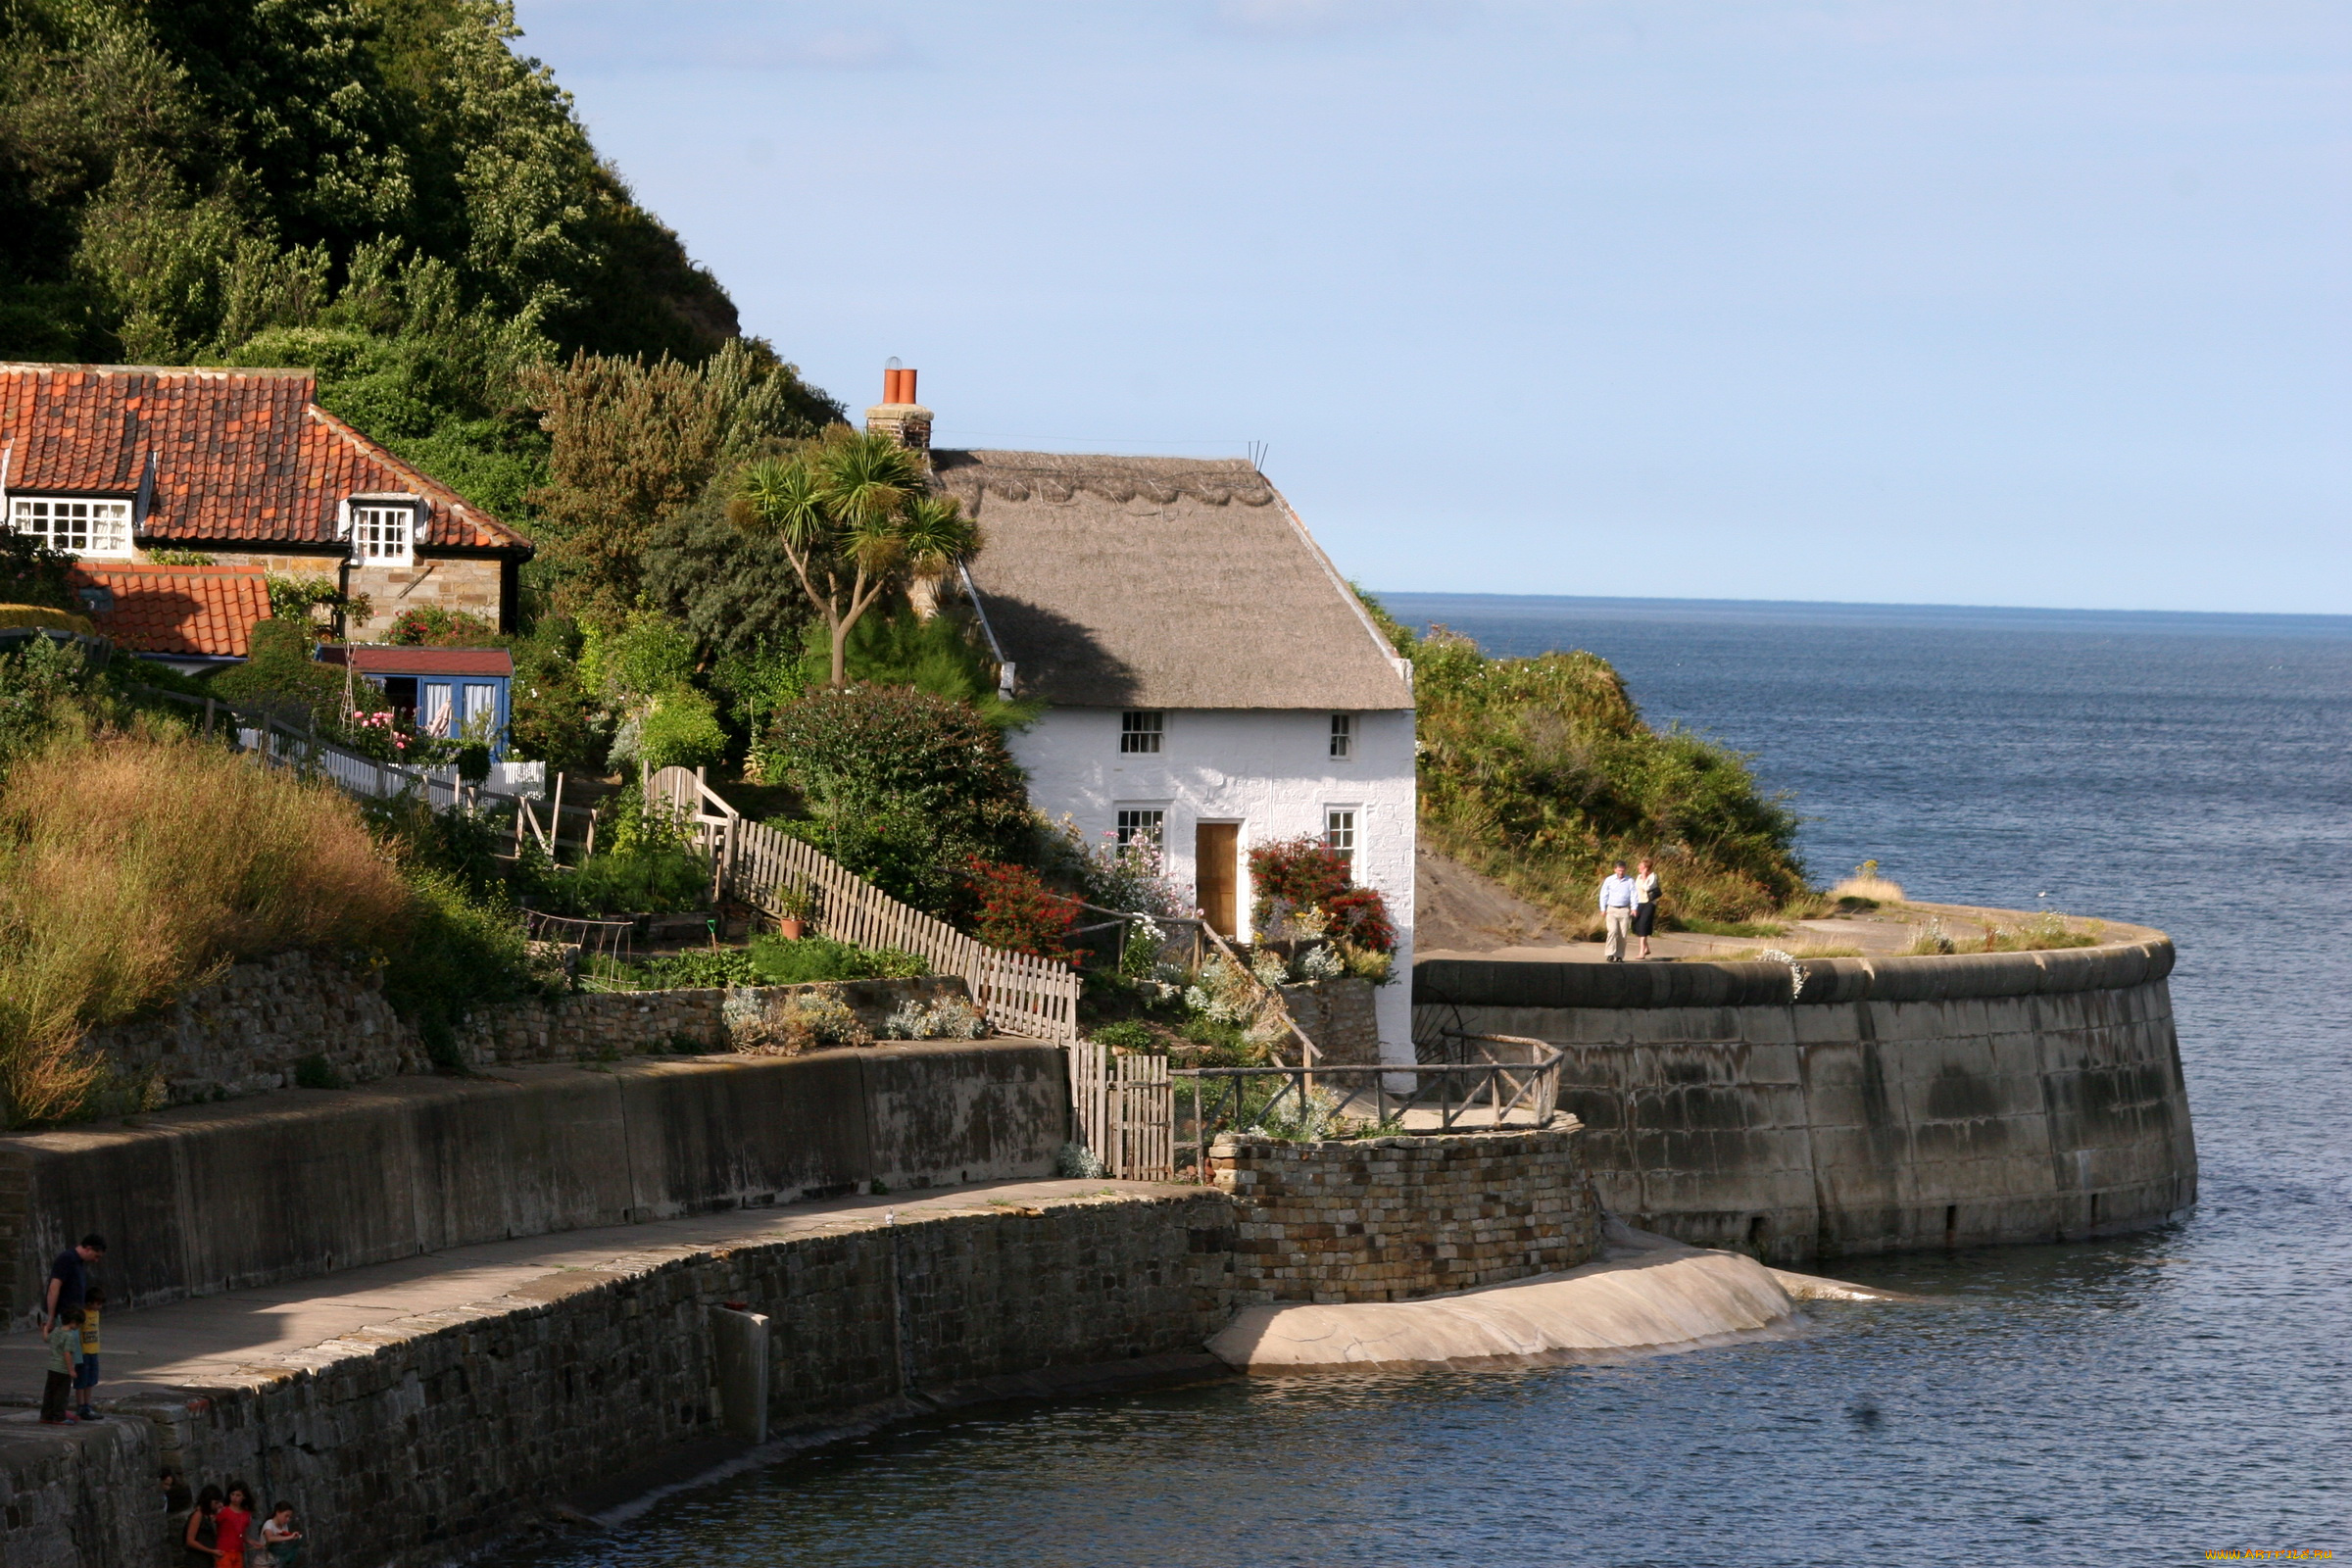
{"type": "Point", "coordinates": [1143, 731]}
{"type": "Point", "coordinates": [95, 527]}
{"type": "Point", "coordinates": [366, 519]}
{"type": "Point", "coordinates": [1147, 821]}
{"type": "Point", "coordinates": [1342, 737]}
{"type": "Point", "coordinates": [1343, 833]}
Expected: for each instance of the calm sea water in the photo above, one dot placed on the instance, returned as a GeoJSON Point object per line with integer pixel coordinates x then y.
{"type": "Point", "coordinates": [2141, 1400]}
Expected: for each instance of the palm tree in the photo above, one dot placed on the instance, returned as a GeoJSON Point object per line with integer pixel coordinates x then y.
{"type": "Point", "coordinates": [852, 512]}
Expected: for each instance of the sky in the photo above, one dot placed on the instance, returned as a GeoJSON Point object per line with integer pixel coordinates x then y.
{"type": "Point", "coordinates": [1970, 302]}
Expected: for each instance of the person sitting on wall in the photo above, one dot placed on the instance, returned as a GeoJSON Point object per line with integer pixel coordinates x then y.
{"type": "Point", "coordinates": [1618, 897]}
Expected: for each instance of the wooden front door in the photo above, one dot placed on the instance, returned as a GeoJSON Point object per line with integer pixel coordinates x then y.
{"type": "Point", "coordinates": [1216, 862]}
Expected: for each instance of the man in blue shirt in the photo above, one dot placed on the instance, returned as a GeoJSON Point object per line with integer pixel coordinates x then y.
{"type": "Point", "coordinates": [1618, 896]}
{"type": "Point", "coordinates": [70, 1279]}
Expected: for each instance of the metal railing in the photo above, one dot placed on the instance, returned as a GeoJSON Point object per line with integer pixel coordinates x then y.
{"type": "Point", "coordinates": [1462, 1082]}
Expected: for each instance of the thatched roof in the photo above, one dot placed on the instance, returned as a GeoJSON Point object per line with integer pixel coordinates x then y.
{"type": "Point", "coordinates": [1163, 582]}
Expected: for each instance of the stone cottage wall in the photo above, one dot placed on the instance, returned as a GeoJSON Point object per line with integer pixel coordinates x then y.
{"type": "Point", "coordinates": [1388, 1219]}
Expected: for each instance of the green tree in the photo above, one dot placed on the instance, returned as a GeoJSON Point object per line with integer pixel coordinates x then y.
{"type": "Point", "coordinates": [634, 443]}
{"type": "Point", "coordinates": [854, 514]}
{"type": "Point", "coordinates": [903, 787]}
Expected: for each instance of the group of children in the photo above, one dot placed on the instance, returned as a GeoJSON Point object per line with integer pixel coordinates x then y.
{"type": "Point", "coordinates": [73, 1362]}
{"type": "Point", "coordinates": [223, 1532]}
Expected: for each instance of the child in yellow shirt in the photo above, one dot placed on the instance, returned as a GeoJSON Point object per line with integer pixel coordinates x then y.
{"type": "Point", "coordinates": [85, 1379]}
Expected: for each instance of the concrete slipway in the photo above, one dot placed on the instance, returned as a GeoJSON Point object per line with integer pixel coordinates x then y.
{"type": "Point", "coordinates": [1646, 1296]}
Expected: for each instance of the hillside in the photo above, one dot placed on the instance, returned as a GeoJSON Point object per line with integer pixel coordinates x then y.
{"type": "Point", "coordinates": [1537, 772]}
{"type": "Point", "coordinates": [381, 190]}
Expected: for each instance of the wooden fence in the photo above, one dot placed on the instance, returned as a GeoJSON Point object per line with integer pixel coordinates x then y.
{"type": "Point", "coordinates": [1124, 1110]}
{"type": "Point", "coordinates": [1020, 995]}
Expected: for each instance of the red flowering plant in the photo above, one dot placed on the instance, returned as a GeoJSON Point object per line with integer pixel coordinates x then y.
{"type": "Point", "coordinates": [1303, 890]}
{"type": "Point", "coordinates": [1011, 906]}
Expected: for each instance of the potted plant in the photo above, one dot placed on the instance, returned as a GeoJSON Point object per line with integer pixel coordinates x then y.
{"type": "Point", "coordinates": [794, 907]}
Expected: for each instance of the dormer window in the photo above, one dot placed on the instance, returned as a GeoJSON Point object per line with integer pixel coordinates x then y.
{"type": "Point", "coordinates": [383, 533]}
{"type": "Point", "coordinates": [77, 527]}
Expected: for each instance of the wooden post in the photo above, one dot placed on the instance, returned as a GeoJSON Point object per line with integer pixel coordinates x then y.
{"type": "Point", "coordinates": [208, 717]}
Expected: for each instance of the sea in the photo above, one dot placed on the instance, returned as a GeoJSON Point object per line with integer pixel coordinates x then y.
{"type": "Point", "coordinates": [2157, 1398]}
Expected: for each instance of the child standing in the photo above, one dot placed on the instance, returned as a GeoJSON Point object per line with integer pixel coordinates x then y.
{"type": "Point", "coordinates": [85, 1381]}
{"type": "Point", "coordinates": [236, 1524]}
{"type": "Point", "coordinates": [64, 1353]}
{"type": "Point", "coordinates": [281, 1538]}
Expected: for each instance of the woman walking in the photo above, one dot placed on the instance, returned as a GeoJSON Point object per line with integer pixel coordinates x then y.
{"type": "Point", "coordinates": [1646, 903]}
{"type": "Point", "coordinates": [204, 1530]}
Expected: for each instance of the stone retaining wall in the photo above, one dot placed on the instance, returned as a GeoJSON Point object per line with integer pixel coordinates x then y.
{"type": "Point", "coordinates": [1850, 1106]}
{"type": "Point", "coordinates": [252, 1030]}
{"type": "Point", "coordinates": [1339, 1016]}
{"type": "Point", "coordinates": [437, 1432]}
{"type": "Point", "coordinates": [245, 1033]}
{"type": "Point", "coordinates": [1388, 1219]}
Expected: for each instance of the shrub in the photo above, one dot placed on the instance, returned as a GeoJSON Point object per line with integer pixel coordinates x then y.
{"type": "Point", "coordinates": [681, 729]}
{"type": "Point", "coordinates": [902, 787]}
{"type": "Point", "coordinates": [646, 880]}
{"type": "Point", "coordinates": [1127, 1034]}
{"type": "Point", "coordinates": [281, 676]}
{"type": "Point", "coordinates": [700, 966]}
{"type": "Point", "coordinates": [133, 867]}
{"type": "Point", "coordinates": [460, 953]}
{"type": "Point", "coordinates": [1011, 907]}
{"type": "Point", "coordinates": [786, 1026]}
{"type": "Point", "coordinates": [1540, 771]}
{"type": "Point", "coordinates": [431, 626]}
{"type": "Point", "coordinates": [781, 961]}
{"type": "Point", "coordinates": [950, 1018]}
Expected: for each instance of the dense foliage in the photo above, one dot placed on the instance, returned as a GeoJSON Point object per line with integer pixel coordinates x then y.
{"type": "Point", "coordinates": [901, 786]}
{"type": "Point", "coordinates": [1540, 771]}
{"type": "Point", "coordinates": [1010, 906]}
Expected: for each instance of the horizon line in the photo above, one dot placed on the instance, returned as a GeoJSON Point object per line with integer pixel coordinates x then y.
{"type": "Point", "coordinates": [1654, 600]}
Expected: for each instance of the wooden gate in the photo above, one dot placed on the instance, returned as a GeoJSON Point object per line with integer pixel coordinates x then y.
{"type": "Point", "coordinates": [1123, 1109]}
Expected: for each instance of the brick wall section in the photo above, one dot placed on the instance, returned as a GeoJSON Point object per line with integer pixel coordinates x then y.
{"type": "Point", "coordinates": [433, 1432]}
{"type": "Point", "coordinates": [1388, 1219]}
{"type": "Point", "coordinates": [1339, 1016]}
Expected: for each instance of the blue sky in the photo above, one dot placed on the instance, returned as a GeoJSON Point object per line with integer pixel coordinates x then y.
{"type": "Point", "coordinates": [1957, 303]}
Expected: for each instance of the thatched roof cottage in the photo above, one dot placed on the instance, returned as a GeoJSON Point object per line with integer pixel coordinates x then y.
{"type": "Point", "coordinates": [1213, 682]}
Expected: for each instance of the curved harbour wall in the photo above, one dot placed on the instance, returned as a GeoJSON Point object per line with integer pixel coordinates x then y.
{"type": "Point", "coordinates": [1847, 1106]}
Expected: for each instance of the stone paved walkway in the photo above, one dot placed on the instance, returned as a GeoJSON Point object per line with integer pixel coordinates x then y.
{"type": "Point", "coordinates": [207, 1339]}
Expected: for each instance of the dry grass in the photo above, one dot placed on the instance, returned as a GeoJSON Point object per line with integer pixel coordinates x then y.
{"type": "Point", "coordinates": [1778, 955]}
{"type": "Point", "coordinates": [1866, 886]}
{"type": "Point", "coordinates": [134, 868]}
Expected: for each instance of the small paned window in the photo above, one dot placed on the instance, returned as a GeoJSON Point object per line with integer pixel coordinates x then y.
{"type": "Point", "coordinates": [76, 527]}
{"type": "Point", "coordinates": [1343, 735]}
{"type": "Point", "coordinates": [1141, 731]}
{"type": "Point", "coordinates": [1339, 834]}
{"type": "Point", "coordinates": [383, 536]}
{"type": "Point", "coordinates": [1143, 825]}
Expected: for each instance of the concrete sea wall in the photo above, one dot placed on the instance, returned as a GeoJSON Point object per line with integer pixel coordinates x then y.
{"type": "Point", "coordinates": [436, 1432]}
{"type": "Point", "coordinates": [306, 1181]}
{"type": "Point", "coordinates": [1852, 1105]}
{"type": "Point", "coordinates": [1387, 1219]}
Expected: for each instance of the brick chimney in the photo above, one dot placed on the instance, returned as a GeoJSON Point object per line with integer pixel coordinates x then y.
{"type": "Point", "coordinates": [897, 416]}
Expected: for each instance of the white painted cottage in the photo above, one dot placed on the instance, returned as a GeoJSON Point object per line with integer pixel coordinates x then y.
{"type": "Point", "coordinates": [1212, 682]}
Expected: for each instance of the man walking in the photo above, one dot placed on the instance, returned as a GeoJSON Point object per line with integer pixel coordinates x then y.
{"type": "Point", "coordinates": [1618, 896]}
{"type": "Point", "coordinates": [70, 1279]}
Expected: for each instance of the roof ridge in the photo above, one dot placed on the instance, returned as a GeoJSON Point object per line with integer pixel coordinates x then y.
{"type": "Point", "coordinates": [60, 368]}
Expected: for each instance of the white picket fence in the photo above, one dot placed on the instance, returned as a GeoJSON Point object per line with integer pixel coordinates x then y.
{"type": "Point", "coordinates": [1036, 998]}
{"type": "Point", "coordinates": [1124, 1110]}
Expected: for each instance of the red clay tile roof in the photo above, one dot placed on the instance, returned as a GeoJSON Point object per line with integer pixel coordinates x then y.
{"type": "Point", "coordinates": [177, 610]}
{"type": "Point", "coordinates": [378, 659]}
{"type": "Point", "coordinates": [241, 456]}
